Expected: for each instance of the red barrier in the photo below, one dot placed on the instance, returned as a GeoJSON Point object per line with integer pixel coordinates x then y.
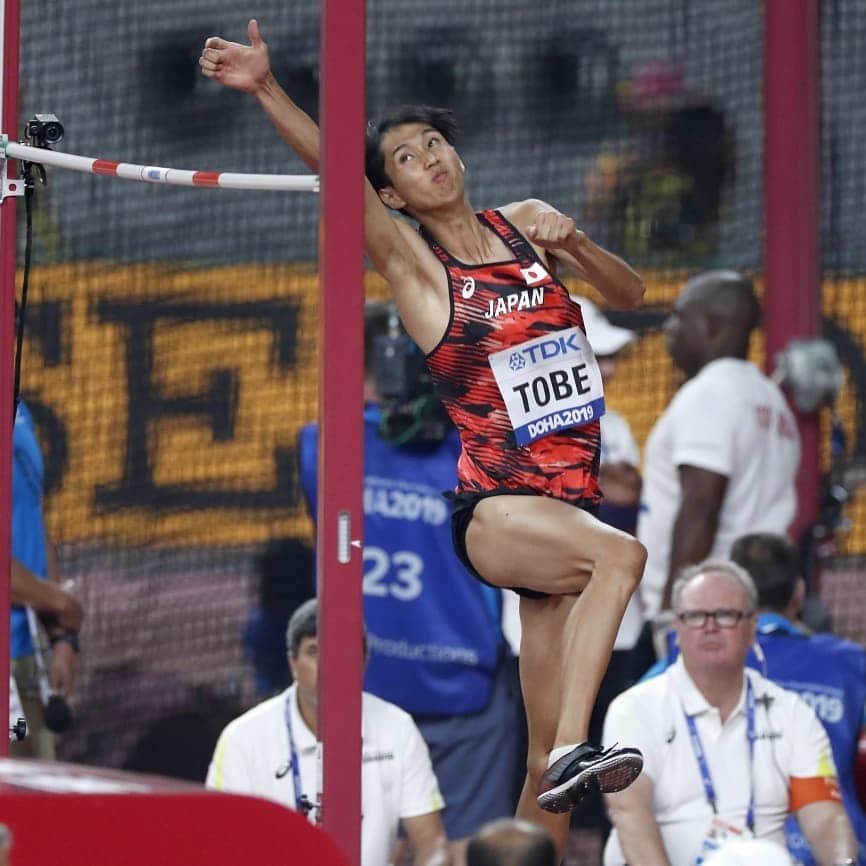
{"type": "Point", "coordinates": [71, 815]}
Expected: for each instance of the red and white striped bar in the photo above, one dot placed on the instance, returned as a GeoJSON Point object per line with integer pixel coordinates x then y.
{"type": "Point", "coordinates": [157, 174]}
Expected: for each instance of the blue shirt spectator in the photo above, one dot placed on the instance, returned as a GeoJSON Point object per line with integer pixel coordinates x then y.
{"type": "Point", "coordinates": [28, 525]}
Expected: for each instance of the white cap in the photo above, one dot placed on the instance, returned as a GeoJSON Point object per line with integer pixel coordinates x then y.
{"type": "Point", "coordinates": [605, 338]}
{"type": "Point", "coordinates": [748, 852]}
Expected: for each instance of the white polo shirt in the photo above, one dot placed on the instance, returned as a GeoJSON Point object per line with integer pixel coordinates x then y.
{"type": "Point", "coordinates": [618, 444]}
{"type": "Point", "coordinates": [790, 743]}
{"type": "Point", "coordinates": [729, 419]}
{"type": "Point", "coordinates": [397, 779]}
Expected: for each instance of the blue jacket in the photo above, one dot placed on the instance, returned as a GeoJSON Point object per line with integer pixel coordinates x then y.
{"type": "Point", "coordinates": [28, 526]}
{"type": "Point", "coordinates": [432, 629]}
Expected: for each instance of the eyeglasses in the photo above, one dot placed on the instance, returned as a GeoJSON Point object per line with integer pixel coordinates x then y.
{"type": "Point", "coordinates": [724, 617]}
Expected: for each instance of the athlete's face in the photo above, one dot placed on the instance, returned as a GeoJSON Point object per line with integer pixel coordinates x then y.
{"type": "Point", "coordinates": [425, 171]}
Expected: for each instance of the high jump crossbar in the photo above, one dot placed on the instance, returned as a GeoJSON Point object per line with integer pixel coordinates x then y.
{"type": "Point", "coordinates": [151, 173]}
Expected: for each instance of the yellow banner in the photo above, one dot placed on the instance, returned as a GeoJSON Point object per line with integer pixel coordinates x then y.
{"type": "Point", "coordinates": [169, 401]}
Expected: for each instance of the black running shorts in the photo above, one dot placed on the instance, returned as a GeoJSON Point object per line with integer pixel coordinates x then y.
{"type": "Point", "coordinates": [464, 507]}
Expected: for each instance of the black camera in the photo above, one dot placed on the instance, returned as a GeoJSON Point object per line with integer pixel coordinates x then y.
{"type": "Point", "coordinates": [43, 130]}
{"type": "Point", "coordinates": [411, 411]}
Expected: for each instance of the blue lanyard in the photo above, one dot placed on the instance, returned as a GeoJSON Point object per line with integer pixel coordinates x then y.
{"type": "Point", "coordinates": [302, 802]}
{"type": "Point", "coordinates": [703, 766]}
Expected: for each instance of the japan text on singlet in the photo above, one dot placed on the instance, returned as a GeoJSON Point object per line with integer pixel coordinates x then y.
{"type": "Point", "coordinates": [517, 375]}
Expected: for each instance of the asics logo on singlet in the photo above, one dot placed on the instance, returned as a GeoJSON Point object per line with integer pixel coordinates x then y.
{"type": "Point", "coordinates": [468, 289]}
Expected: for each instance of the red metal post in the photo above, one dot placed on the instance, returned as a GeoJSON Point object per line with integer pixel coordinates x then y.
{"type": "Point", "coordinates": [792, 202]}
{"type": "Point", "coordinates": [11, 28]}
{"type": "Point", "coordinates": [341, 366]}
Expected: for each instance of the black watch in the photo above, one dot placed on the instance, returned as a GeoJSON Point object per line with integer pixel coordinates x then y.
{"type": "Point", "coordinates": [70, 637]}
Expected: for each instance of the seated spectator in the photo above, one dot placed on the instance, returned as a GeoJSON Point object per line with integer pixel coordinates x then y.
{"type": "Point", "coordinates": [511, 842]}
{"type": "Point", "coordinates": [727, 753]}
{"type": "Point", "coordinates": [271, 751]}
{"type": "Point", "coordinates": [829, 673]}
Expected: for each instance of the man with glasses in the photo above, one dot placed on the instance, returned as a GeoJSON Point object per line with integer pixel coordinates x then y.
{"type": "Point", "coordinates": [727, 754]}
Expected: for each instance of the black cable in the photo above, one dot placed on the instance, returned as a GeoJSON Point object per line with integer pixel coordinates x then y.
{"type": "Point", "coordinates": [29, 186]}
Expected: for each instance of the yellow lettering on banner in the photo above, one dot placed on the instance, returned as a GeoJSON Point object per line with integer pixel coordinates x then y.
{"type": "Point", "coordinates": [169, 401]}
{"type": "Point", "coordinates": [178, 395]}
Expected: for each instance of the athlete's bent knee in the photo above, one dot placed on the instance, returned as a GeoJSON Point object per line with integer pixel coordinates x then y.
{"type": "Point", "coordinates": [626, 560]}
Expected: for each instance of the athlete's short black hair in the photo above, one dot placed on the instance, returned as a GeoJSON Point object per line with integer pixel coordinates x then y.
{"type": "Point", "coordinates": [441, 119]}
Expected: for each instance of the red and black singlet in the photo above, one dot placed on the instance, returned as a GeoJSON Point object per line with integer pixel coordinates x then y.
{"type": "Point", "coordinates": [494, 307]}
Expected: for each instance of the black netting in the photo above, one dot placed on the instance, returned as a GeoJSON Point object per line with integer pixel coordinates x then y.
{"type": "Point", "coordinates": [171, 357]}
{"type": "Point", "coordinates": [843, 179]}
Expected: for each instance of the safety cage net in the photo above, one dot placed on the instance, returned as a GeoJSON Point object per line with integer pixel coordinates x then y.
{"type": "Point", "coordinates": [170, 353]}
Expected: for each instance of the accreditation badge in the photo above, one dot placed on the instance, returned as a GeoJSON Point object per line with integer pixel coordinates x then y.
{"type": "Point", "coordinates": [719, 834]}
{"type": "Point", "coordinates": [549, 383]}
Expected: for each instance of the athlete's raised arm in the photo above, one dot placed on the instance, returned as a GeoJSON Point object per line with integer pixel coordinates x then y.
{"type": "Point", "coordinates": [547, 228]}
{"type": "Point", "coordinates": [392, 246]}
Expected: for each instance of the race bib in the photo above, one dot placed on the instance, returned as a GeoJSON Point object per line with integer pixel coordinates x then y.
{"type": "Point", "coordinates": [549, 383]}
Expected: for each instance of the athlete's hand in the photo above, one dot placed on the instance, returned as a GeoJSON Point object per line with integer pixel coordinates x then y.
{"type": "Point", "coordinates": [554, 231]}
{"type": "Point", "coordinates": [240, 67]}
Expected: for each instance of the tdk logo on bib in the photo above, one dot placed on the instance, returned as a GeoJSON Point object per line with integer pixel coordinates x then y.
{"type": "Point", "coordinates": [547, 349]}
{"type": "Point", "coordinates": [548, 384]}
